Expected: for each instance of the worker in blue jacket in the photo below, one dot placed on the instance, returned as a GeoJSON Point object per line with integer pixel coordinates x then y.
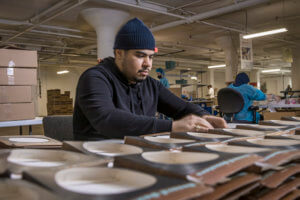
{"type": "Point", "coordinates": [250, 94]}
{"type": "Point", "coordinates": [161, 76]}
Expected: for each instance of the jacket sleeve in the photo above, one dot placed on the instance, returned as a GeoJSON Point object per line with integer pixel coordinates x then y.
{"type": "Point", "coordinates": [96, 102]}
{"type": "Point", "coordinates": [165, 82]}
{"type": "Point", "coordinates": [256, 94]}
{"type": "Point", "coordinates": [173, 106]}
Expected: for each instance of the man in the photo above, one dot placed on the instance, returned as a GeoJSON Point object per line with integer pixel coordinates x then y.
{"type": "Point", "coordinates": [117, 98]}
{"type": "Point", "coordinates": [161, 76]}
{"type": "Point", "coordinates": [211, 92]}
{"type": "Point", "coordinates": [287, 91]}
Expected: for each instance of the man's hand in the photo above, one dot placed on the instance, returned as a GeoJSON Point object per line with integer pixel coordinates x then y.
{"type": "Point", "coordinates": [198, 124]}
{"type": "Point", "coordinates": [216, 122]}
{"type": "Point", "coordinates": [191, 123]}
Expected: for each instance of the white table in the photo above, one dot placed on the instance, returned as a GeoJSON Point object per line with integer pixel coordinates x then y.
{"type": "Point", "coordinates": [280, 106]}
{"type": "Point", "coordinates": [20, 123]}
{"type": "Point", "coordinates": [233, 125]}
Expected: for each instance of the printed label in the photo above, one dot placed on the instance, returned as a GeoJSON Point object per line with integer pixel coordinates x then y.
{"type": "Point", "coordinates": [10, 71]}
{"type": "Point", "coordinates": [11, 64]}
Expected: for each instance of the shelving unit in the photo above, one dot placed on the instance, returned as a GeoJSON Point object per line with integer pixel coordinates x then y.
{"type": "Point", "coordinates": [193, 84]}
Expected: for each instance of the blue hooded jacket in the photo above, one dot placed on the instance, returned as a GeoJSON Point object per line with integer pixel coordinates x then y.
{"type": "Point", "coordinates": [163, 80]}
{"type": "Point", "coordinates": [249, 94]}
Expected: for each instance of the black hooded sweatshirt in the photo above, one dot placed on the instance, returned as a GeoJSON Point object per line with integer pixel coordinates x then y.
{"type": "Point", "coordinates": [106, 106]}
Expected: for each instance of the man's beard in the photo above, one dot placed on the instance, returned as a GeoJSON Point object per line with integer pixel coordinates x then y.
{"type": "Point", "coordinates": [138, 80]}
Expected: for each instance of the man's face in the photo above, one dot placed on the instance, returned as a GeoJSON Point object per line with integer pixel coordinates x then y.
{"type": "Point", "coordinates": [135, 64]}
{"type": "Point", "coordinates": [159, 75]}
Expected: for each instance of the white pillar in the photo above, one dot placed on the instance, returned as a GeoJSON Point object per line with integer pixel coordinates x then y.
{"type": "Point", "coordinates": [231, 56]}
{"type": "Point", "coordinates": [296, 69]}
{"type": "Point", "coordinates": [106, 22]}
{"type": "Point", "coordinates": [211, 80]}
{"type": "Point", "coordinates": [255, 77]}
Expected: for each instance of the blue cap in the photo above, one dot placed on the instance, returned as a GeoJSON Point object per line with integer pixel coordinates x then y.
{"type": "Point", "coordinates": [241, 78]}
{"type": "Point", "coordinates": [160, 70]}
{"type": "Point", "coordinates": [134, 35]}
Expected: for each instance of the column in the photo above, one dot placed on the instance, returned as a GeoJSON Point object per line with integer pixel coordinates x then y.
{"type": "Point", "coordinates": [255, 77]}
{"type": "Point", "coordinates": [106, 22]}
{"type": "Point", "coordinates": [211, 77]}
{"type": "Point", "coordinates": [296, 69]}
{"type": "Point", "coordinates": [229, 44]}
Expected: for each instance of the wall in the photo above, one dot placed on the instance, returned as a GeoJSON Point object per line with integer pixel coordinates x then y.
{"type": "Point", "coordinates": [219, 77]}
{"type": "Point", "coordinates": [219, 82]}
{"type": "Point", "coordinates": [276, 83]}
{"type": "Point", "coordinates": [174, 75]}
{"type": "Point", "coordinates": [50, 80]}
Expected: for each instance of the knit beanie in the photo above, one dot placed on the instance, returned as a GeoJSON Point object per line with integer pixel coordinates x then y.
{"type": "Point", "coordinates": [241, 78]}
{"type": "Point", "coordinates": [134, 35]}
{"type": "Point", "coordinates": [160, 70]}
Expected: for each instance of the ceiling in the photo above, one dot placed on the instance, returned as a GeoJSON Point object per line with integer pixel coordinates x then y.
{"type": "Point", "coordinates": [185, 30]}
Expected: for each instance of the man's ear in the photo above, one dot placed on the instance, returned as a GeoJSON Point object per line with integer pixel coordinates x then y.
{"type": "Point", "coordinates": [118, 53]}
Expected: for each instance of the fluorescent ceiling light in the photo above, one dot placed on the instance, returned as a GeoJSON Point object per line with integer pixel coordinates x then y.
{"type": "Point", "coordinates": [270, 70]}
{"type": "Point", "coordinates": [216, 66]}
{"type": "Point", "coordinates": [63, 72]}
{"type": "Point", "coordinates": [254, 35]}
{"type": "Point", "coordinates": [285, 70]}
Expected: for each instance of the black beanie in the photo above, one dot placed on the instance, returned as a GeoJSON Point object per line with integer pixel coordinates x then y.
{"type": "Point", "coordinates": [134, 35]}
{"type": "Point", "coordinates": [241, 78]}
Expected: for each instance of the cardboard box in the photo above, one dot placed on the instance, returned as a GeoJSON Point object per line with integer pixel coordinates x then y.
{"type": "Point", "coordinates": [67, 93]}
{"type": "Point", "coordinates": [18, 76]}
{"type": "Point", "coordinates": [15, 94]}
{"type": "Point", "coordinates": [59, 104]}
{"type": "Point", "coordinates": [54, 92]}
{"type": "Point", "coordinates": [18, 58]}
{"type": "Point", "coordinates": [16, 111]}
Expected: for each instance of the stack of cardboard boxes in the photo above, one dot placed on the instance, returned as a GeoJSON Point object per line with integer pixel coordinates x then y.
{"type": "Point", "coordinates": [59, 104]}
{"type": "Point", "coordinates": [18, 79]}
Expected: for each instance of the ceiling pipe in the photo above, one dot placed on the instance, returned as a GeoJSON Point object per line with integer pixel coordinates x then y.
{"type": "Point", "coordinates": [46, 20]}
{"type": "Point", "coordinates": [59, 42]}
{"type": "Point", "coordinates": [48, 10]}
{"type": "Point", "coordinates": [41, 45]}
{"type": "Point", "coordinates": [141, 5]}
{"type": "Point", "coordinates": [18, 23]}
{"type": "Point", "coordinates": [199, 62]}
{"type": "Point", "coordinates": [184, 20]}
{"type": "Point", "coordinates": [185, 5]}
{"type": "Point", "coordinates": [61, 34]}
{"type": "Point", "coordinates": [106, 22]}
{"type": "Point", "coordinates": [181, 45]}
{"type": "Point", "coordinates": [223, 27]}
{"type": "Point", "coordinates": [224, 10]}
{"type": "Point", "coordinates": [209, 14]}
{"type": "Point", "coordinates": [10, 32]}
